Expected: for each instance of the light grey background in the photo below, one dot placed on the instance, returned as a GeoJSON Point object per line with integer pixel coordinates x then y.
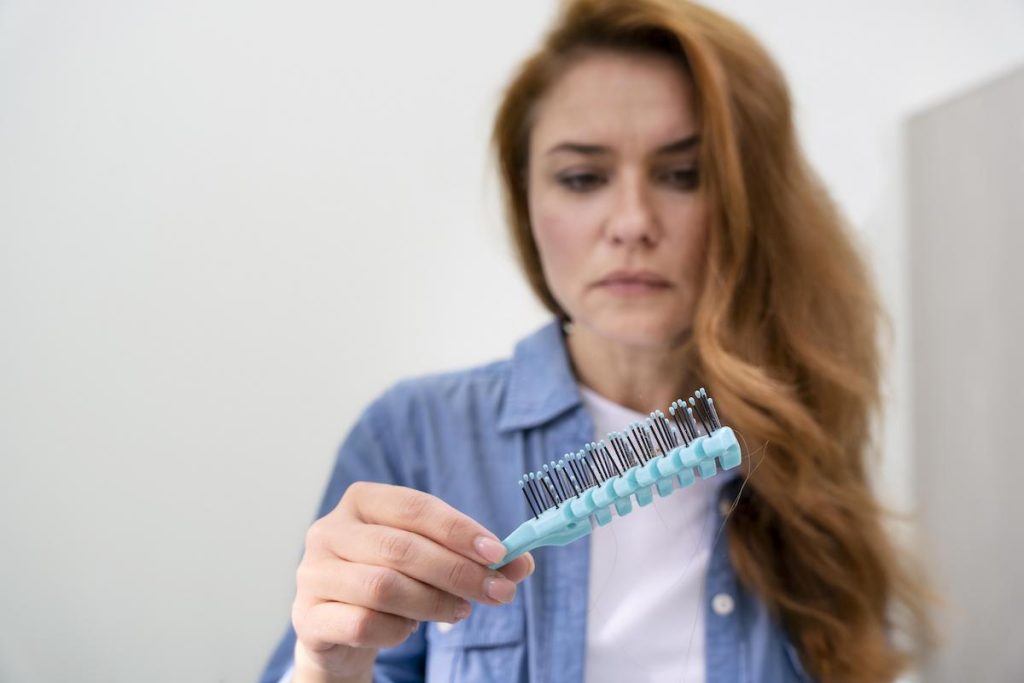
{"type": "Point", "coordinates": [225, 226]}
{"type": "Point", "coordinates": [966, 175]}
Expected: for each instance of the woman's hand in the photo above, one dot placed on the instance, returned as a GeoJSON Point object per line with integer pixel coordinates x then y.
{"type": "Point", "coordinates": [386, 558]}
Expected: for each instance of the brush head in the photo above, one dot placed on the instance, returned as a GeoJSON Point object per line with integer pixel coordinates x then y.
{"type": "Point", "coordinates": [567, 497]}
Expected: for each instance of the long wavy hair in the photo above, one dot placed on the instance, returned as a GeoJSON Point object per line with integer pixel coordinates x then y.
{"type": "Point", "coordinates": [784, 334]}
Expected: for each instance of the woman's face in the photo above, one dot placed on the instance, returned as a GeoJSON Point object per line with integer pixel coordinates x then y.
{"type": "Point", "coordinates": [613, 197]}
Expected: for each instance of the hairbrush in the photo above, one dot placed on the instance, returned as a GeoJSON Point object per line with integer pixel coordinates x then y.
{"type": "Point", "coordinates": [568, 496]}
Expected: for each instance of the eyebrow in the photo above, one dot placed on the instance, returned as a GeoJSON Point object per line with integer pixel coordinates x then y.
{"type": "Point", "coordinates": [680, 145]}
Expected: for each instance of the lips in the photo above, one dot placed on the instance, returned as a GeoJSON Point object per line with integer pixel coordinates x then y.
{"type": "Point", "coordinates": [636, 278]}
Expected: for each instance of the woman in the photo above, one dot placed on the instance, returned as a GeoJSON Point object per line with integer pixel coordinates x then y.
{"type": "Point", "coordinates": [663, 213]}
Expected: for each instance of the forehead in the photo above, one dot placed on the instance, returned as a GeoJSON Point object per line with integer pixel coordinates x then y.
{"type": "Point", "coordinates": [617, 98]}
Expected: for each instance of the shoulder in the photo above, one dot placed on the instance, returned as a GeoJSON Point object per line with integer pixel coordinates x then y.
{"type": "Point", "coordinates": [478, 403]}
{"type": "Point", "coordinates": [422, 427]}
{"type": "Point", "coordinates": [471, 382]}
{"type": "Point", "coordinates": [519, 387]}
{"type": "Point", "coordinates": [416, 426]}
{"type": "Point", "coordinates": [442, 397]}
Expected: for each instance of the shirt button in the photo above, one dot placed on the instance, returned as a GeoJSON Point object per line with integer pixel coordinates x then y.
{"type": "Point", "coordinates": [444, 626]}
{"type": "Point", "coordinates": [724, 506]}
{"type": "Point", "coordinates": [723, 604]}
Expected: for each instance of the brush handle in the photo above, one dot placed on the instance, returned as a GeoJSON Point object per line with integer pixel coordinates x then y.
{"type": "Point", "coordinates": [575, 517]}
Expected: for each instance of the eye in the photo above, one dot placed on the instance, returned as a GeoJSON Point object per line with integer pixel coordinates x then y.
{"type": "Point", "coordinates": [580, 182]}
{"type": "Point", "coordinates": [684, 178]}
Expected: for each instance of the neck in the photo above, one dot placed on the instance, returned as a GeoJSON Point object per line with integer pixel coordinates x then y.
{"type": "Point", "coordinates": [641, 378]}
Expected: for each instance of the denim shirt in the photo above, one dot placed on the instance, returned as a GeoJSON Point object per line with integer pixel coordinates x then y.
{"type": "Point", "coordinates": [466, 437]}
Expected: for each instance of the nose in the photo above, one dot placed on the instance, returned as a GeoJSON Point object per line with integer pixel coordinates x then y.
{"type": "Point", "coordinates": [632, 220]}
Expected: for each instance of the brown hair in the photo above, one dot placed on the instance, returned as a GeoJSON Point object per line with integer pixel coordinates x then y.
{"type": "Point", "coordinates": [784, 333]}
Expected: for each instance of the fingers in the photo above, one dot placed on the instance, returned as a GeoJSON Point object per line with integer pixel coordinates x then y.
{"type": "Point", "coordinates": [519, 568]}
{"type": "Point", "coordinates": [426, 515]}
{"type": "Point", "coordinates": [424, 560]}
{"type": "Point", "coordinates": [386, 558]}
{"type": "Point", "coordinates": [326, 624]}
{"type": "Point", "coordinates": [382, 589]}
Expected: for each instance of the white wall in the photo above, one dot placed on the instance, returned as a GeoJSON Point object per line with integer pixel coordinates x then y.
{"type": "Point", "coordinates": [225, 226]}
{"type": "Point", "coordinates": [966, 164]}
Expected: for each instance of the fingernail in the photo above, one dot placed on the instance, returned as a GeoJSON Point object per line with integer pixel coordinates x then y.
{"type": "Point", "coordinates": [489, 549]}
{"type": "Point", "coordinates": [462, 610]}
{"type": "Point", "coordinates": [499, 588]}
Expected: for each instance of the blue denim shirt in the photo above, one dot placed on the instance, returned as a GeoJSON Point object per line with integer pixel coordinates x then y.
{"type": "Point", "coordinates": [467, 437]}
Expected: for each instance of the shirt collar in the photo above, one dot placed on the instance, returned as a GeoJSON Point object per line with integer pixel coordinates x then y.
{"type": "Point", "coordinates": [541, 385]}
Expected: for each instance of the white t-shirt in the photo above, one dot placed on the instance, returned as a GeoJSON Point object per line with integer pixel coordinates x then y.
{"type": "Point", "coordinates": [645, 619]}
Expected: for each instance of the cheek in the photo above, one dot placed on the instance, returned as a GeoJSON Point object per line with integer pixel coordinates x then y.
{"type": "Point", "coordinates": [694, 246]}
{"type": "Point", "coordinates": [561, 240]}
{"type": "Point", "coordinates": [554, 242]}
{"type": "Point", "coordinates": [554, 239]}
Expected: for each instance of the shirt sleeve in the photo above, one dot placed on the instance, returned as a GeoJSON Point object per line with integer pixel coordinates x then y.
{"type": "Point", "coordinates": [375, 450]}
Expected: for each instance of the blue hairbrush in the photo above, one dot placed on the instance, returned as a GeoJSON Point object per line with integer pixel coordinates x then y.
{"type": "Point", "coordinates": [566, 497]}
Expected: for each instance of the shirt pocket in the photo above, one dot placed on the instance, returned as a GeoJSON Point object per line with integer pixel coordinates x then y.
{"type": "Point", "coordinates": [488, 646]}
